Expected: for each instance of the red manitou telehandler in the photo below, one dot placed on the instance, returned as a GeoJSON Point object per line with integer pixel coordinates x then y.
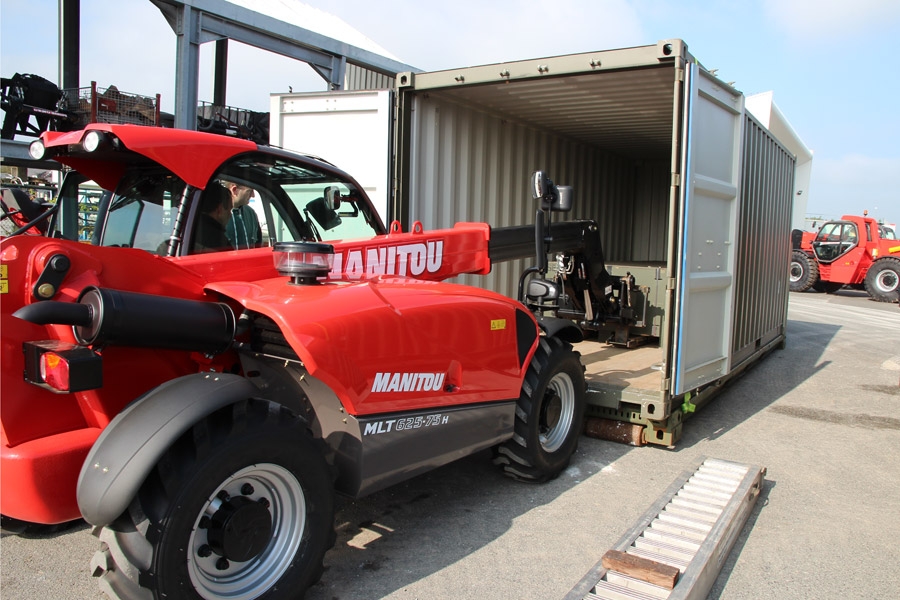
{"type": "Point", "coordinates": [854, 251]}
{"type": "Point", "coordinates": [200, 396]}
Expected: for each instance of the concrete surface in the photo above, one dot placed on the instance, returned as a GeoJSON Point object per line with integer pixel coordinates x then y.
{"type": "Point", "coordinates": [820, 415]}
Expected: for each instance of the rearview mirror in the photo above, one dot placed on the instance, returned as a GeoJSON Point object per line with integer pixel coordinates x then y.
{"type": "Point", "coordinates": [553, 197]}
{"type": "Point", "coordinates": [332, 197]}
{"type": "Point", "coordinates": [539, 185]}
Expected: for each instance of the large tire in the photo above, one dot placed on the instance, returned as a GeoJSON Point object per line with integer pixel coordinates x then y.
{"type": "Point", "coordinates": [827, 287]}
{"type": "Point", "coordinates": [804, 271]}
{"type": "Point", "coordinates": [883, 280]}
{"type": "Point", "coordinates": [549, 414]}
{"type": "Point", "coordinates": [241, 507]}
{"type": "Point", "coordinates": [11, 526]}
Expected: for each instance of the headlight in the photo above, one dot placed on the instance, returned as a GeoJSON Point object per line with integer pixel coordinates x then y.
{"type": "Point", "coordinates": [37, 150]}
{"type": "Point", "coordinates": [92, 141]}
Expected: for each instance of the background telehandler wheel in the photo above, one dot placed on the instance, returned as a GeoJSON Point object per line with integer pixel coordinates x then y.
{"type": "Point", "coordinates": [240, 507]}
{"type": "Point", "coordinates": [883, 280]}
{"type": "Point", "coordinates": [549, 414]}
{"type": "Point", "coordinates": [827, 287]}
{"type": "Point", "coordinates": [804, 272]}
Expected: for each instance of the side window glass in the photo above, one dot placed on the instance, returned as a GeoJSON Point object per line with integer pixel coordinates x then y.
{"type": "Point", "coordinates": [835, 240]}
{"type": "Point", "coordinates": [79, 203]}
{"type": "Point", "coordinates": [830, 232]}
{"type": "Point", "coordinates": [122, 223]}
{"type": "Point", "coordinates": [142, 214]}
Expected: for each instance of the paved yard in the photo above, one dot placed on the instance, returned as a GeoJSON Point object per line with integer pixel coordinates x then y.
{"type": "Point", "coordinates": [820, 415]}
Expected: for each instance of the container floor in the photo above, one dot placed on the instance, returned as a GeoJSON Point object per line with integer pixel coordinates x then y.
{"type": "Point", "coordinates": [611, 368]}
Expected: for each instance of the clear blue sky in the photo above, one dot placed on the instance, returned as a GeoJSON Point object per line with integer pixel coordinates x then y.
{"type": "Point", "coordinates": [831, 63]}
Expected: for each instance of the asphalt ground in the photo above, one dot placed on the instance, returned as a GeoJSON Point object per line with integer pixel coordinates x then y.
{"type": "Point", "coordinates": [821, 415]}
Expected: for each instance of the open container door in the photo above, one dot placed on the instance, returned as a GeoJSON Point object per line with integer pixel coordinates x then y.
{"type": "Point", "coordinates": [709, 209]}
{"type": "Point", "coordinates": [350, 129]}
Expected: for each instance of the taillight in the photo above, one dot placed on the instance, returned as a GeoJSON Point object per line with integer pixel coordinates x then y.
{"type": "Point", "coordinates": [62, 367]}
{"type": "Point", "coordinates": [55, 371]}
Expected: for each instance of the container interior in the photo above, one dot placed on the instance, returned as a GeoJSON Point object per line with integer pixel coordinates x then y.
{"type": "Point", "coordinates": [607, 134]}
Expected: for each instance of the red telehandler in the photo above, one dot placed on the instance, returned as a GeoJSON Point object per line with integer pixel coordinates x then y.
{"type": "Point", "coordinates": [853, 251]}
{"type": "Point", "coordinates": [201, 408]}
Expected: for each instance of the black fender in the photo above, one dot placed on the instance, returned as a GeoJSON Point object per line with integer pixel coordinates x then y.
{"type": "Point", "coordinates": [134, 441]}
{"type": "Point", "coordinates": [562, 328]}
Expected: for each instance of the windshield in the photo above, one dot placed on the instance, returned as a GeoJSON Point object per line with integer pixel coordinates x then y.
{"type": "Point", "coordinates": [272, 199]}
{"type": "Point", "coordinates": [294, 201]}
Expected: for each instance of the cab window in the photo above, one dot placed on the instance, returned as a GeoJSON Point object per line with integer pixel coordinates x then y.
{"type": "Point", "coordinates": [296, 201]}
{"type": "Point", "coordinates": [141, 214]}
{"type": "Point", "coordinates": [835, 240]}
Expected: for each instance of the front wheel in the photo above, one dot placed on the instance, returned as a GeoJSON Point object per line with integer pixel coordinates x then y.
{"type": "Point", "coordinates": [549, 414]}
{"type": "Point", "coordinates": [804, 271]}
{"type": "Point", "coordinates": [241, 507]}
{"type": "Point", "coordinates": [883, 280]}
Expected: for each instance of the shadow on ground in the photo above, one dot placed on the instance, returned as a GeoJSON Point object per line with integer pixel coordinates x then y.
{"type": "Point", "coordinates": [405, 533]}
{"type": "Point", "coordinates": [763, 384]}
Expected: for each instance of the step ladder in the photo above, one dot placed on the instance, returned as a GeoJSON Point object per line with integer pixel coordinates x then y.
{"type": "Point", "coordinates": [676, 549]}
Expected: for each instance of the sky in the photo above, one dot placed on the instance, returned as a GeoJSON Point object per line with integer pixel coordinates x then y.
{"type": "Point", "coordinates": [830, 64]}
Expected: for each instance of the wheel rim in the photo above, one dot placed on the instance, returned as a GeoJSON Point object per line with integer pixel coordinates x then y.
{"type": "Point", "coordinates": [226, 559]}
{"type": "Point", "coordinates": [886, 281]}
{"type": "Point", "coordinates": [796, 272]}
{"type": "Point", "coordinates": [557, 412]}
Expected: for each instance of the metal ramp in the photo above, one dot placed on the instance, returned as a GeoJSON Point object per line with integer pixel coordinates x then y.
{"type": "Point", "coordinates": [676, 549]}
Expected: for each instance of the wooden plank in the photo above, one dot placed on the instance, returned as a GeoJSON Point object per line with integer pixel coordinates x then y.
{"type": "Point", "coordinates": [641, 568]}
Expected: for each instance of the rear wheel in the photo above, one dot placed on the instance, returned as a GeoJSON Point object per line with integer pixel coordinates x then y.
{"type": "Point", "coordinates": [241, 507]}
{"type": "Point", "coordinates": [804, 271]}
{"type": "Point", "coordinates": [883, 280]}
{"type": "Point", "coordinates": [549, 414]}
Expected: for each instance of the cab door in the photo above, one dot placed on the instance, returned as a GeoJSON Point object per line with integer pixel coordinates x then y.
{"type": "Point", "coordinates": [836, 240]}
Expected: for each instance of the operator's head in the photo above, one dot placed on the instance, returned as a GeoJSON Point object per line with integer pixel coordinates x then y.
{"type": "Point", "coordinates": [240, 193]}
{"type": "Point", "coordinates": [217, 203]}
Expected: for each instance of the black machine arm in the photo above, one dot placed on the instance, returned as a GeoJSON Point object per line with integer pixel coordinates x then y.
{"type": "Point", "coordinates": [581, 289]}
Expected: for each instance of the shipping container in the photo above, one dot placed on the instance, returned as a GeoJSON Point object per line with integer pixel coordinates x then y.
{"type": "Point", "coordinates": [692, 195]}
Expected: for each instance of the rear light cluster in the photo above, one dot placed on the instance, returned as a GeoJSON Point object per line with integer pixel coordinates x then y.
{"type": "Point", "coordinates": [62, 367]}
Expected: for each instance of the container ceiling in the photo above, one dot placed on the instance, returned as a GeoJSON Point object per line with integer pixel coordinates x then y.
{"type": "Point", "coordinates": [627, 112]}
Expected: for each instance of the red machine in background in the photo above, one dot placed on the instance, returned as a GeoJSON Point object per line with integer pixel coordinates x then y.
{"type": "Point", "coordinates": [854, 251]}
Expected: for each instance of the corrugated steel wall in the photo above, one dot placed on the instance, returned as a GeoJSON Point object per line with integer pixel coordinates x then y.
{"type": "Point", "coordinates": [360, 78]}
{"type": "Point", "coordinates": [764, 242]}
{"type": "Point", "coordinates": [468, 165]}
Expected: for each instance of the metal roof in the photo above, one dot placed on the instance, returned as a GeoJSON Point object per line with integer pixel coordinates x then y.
{"type": "Point", "coordinates": [260, 24]}
{"type": "Point", "coordinates": [308, 17]}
